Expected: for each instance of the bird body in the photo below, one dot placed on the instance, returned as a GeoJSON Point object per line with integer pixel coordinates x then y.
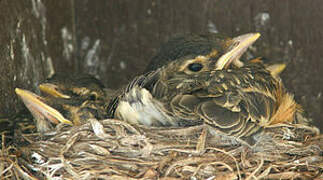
{"type": "Point", "coordinates": [232, 100]}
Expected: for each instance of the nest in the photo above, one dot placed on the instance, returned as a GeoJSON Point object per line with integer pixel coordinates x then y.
{"type": "Point", "coordinates": [113, 149]}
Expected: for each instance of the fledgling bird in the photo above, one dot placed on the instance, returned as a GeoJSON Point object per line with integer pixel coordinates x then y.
{"type": "Point", "coordinates": [70, 99]}
{"type": "Point", "coordinates": [234, 99]}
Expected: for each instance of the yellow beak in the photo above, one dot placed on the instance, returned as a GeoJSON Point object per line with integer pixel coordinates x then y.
{"type": "Point", "coordinates": [238, 46]}
{"type": "Point", "coordinates": [276, 69]}
{"type": "Point", "coordinates": [40, 109]}
{"type": "Point", "coordinates": [51, 89]}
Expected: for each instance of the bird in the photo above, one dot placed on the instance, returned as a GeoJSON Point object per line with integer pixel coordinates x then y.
{"type": "Point", "coordinates": [233, 98]}
{"type": "Point", "coordinates": [66, 98]}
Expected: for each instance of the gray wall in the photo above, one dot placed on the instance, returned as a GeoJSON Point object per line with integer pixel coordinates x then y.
{"type": "Point", "coordinates": [115, 39]}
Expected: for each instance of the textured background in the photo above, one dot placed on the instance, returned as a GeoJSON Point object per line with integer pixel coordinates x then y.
{"type": "Point", "coordinates": [114, 40]}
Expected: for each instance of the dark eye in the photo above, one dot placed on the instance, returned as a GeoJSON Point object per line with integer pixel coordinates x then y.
{"type": "Point", "coordinates": [195, 67]}
{"type": "Point", "coordinates": [92, 97]}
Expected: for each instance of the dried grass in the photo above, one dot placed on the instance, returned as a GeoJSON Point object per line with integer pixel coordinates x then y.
{"type": "Point", "coordinates": [113, 149]}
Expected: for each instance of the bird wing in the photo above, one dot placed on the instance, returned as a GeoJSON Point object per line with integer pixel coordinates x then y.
{"type": "Point", "coordinates": [238, 118]}
{"type": "Point", "coordinates": [234, 105]}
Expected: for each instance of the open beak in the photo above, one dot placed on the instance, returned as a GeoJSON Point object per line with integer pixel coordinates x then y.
{"type": "Point", "coordinates": [39, 109]}
{"type": "Point", "coordinates": [51, 89]}
{"type": "Point", "coordinates": [238, 46]}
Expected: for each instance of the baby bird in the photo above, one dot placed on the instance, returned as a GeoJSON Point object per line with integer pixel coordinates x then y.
{"type": "Point", "coordinates": [232, 98]}
{"type": "Point", "coordinates": [69, 99]}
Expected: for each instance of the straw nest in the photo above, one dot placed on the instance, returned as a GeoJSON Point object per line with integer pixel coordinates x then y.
{"type": "Point", "coordinates": [113, 149]}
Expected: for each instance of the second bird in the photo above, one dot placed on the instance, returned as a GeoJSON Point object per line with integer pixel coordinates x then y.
{"type": "Point", "coordinates": [67, 98]}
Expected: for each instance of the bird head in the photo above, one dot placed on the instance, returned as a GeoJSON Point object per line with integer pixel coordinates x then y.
{"type": "Point", "coordinates": [188, 68]}
{"type": "Point", "coordinates": [65, 86]}
{"type": "Point", "coordinates": [66, 99]}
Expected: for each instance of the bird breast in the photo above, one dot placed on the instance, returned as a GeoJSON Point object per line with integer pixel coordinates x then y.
{"type": "Point", "coordinates": [139, 107]}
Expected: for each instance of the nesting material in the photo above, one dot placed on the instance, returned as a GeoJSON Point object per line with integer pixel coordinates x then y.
{"type": "Point", "coordinates": [113, 149]}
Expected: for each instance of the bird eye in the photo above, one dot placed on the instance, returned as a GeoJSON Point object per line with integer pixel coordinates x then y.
{"type": "Point", "coordinates": [93, 97]}
{"type": "Point", "coordinates": [195, 67]}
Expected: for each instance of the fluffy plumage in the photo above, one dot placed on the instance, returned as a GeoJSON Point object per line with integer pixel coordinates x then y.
{"type": "Point", "coordinates": [236, 101]}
